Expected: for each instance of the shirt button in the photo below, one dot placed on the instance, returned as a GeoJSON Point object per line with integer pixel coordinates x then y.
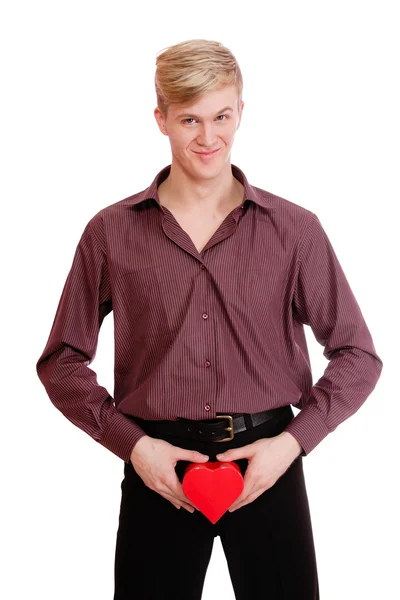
{"type": "Point", "coordinates": [202, 266]}
{"type": "Point", "coordinates": [205, 316]}
{"type": "Point", "coordinates": [207, 407]}
{"type": "Point", "coordinates": [207, 363]}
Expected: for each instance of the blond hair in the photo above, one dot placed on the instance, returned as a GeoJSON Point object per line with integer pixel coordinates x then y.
{"type": "Point", "coordinates": [187, 70]}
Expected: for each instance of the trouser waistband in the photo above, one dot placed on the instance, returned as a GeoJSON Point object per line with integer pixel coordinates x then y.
{"type": "Point", "coordinates": [221, 429]}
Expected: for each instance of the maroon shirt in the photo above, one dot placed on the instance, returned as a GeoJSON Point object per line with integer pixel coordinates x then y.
{"type": "Point", "coordinates": [220, 331]}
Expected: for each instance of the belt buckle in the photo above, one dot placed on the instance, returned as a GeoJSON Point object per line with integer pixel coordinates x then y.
{"type": "Point", "coordinates": [229, 428]}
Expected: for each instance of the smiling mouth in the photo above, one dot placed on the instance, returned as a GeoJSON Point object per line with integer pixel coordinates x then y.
{"type": "Point", "coordinates": [208, 153]}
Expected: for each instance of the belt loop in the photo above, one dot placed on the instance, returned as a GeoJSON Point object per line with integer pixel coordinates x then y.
{"type": "Point", "coordinates": [248, 421]}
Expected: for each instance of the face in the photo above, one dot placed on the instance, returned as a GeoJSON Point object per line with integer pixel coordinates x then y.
{"type": "Point", "coordinates": [201, 134]}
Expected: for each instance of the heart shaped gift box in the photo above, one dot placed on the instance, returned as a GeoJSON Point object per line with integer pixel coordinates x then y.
{"type": "Point", "coordinates": [213, 487]}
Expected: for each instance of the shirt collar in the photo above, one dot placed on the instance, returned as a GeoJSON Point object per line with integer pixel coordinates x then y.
{"type": "Point", "coordinates": [260, 197]}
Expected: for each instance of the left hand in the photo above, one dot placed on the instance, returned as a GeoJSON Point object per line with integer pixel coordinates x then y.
{"type": "Point", "coordinates": [268, 459]}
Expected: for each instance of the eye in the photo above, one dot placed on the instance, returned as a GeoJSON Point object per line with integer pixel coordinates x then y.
{"type": "Point", "coordinates": [193, 119]}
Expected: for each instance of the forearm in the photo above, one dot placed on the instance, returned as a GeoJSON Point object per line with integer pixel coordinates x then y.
{"type": "Point", "coordinates": [73, 389]}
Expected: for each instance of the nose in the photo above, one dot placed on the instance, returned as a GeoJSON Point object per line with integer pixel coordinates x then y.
{"type": "Point", "coordinates": [207, 136]}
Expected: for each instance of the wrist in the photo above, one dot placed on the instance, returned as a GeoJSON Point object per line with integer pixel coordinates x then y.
{"type": "Point", "coordinates": [139, 444]}
{"type": "Point", "coordinates": [291, 445]}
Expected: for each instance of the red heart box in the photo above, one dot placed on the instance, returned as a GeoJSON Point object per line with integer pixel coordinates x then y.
{"type": "Point", "coordinates": [213, 487]}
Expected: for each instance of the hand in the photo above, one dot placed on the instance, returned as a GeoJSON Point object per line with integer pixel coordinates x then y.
{"type": "Point", "coordinates": [154, 461]}
{"type": "Point", "coordinates": [268, 458]}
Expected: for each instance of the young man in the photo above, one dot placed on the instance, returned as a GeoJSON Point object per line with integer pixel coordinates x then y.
{"type": "Point", "coordinates": [210, 281]}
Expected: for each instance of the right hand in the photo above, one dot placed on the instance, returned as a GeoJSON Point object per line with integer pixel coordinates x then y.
{"type": "Point", "coordinates": [154, 461]}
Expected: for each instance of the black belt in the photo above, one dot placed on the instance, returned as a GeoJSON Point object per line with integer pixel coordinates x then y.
{"type": "Point", "coordinates": [212, 430]}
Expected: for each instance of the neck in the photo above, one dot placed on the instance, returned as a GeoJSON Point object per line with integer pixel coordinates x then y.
{"type": "Point", "coordinates": [181, 191]}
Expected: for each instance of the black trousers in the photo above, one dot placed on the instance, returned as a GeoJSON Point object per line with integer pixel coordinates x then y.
{"type": "Point", "coordinates": [163, 553]}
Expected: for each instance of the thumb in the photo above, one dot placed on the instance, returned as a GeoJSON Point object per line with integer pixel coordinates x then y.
{"type": "Point", "coordinates": [233, 454]}
{"type": "Point", "coordinates": [193, 455]}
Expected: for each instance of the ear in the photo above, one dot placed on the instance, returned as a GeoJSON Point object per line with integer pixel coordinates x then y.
{"type": "Point", "coordinates": [160, 120]}
{"type": "Point", "coordinates": [240, 114]}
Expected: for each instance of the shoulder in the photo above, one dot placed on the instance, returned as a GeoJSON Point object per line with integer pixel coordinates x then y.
{"type": "Point", "coordinates": [284, 214]}
{"type": "Point", "coordinates": [112, 216]}
{"type": "Point", "coordinates": [282, 205]}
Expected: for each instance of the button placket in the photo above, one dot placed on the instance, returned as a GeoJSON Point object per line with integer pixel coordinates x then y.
{"type": "Point", "coordinates": [207, 363]}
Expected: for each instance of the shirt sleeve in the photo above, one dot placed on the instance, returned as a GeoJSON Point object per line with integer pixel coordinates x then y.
{"type": "Point", "coordinates": [63, 367]}
{"type": "Point", "coordinates": [323, 299]}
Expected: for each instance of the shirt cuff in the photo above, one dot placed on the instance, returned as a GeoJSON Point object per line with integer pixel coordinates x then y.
{"type": "Point", "coordinates": [121, 435]}
{"type": "Point", "coordinates": [308, 428]}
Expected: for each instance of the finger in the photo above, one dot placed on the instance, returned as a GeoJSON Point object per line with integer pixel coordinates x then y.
{"type": "Point", "coordinates": [248, 488]}
{"type": "Point", "coordinates": [174, 487]}
{"type": "Point", "coordinates": [190, 455]}
{"type": "Point", "coordinates": [164, 489]}
{"type": "Point", "coordinates": [237, 453]}
{"type": "Point", "coordinates": [172, 499]}
{"type": "Point", "coordinates": [236, 505]}
{"type": "Point", "coordinates": [256, 495]}
{"type": "Point", "coordinates": [247, 491]}
{"type": "Point", "coordinates": [247, 500]}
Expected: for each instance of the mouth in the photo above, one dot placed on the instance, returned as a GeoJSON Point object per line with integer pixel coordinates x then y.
{"type": "Point", "coordinates": [208, 153]}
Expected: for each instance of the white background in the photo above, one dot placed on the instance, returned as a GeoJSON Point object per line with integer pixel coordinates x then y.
{"type": "Point", "coordinates": [320, 127]}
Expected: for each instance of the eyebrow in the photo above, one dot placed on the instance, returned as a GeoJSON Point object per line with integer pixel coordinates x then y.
{"type": "Point", "coordinates": [197, 116]}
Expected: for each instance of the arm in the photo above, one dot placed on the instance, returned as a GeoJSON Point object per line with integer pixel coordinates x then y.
{"type": "Point", "coordinates": [63, 367]}
{"type": "Point", "coordinates": [323, 299]}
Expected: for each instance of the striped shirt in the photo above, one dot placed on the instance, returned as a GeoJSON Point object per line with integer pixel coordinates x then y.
{"type": "Point", "coordinates": [201, 333]}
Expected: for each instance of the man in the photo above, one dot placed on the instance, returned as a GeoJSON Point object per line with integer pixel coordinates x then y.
{"type": "Point", "coordinates": [210, 281]}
